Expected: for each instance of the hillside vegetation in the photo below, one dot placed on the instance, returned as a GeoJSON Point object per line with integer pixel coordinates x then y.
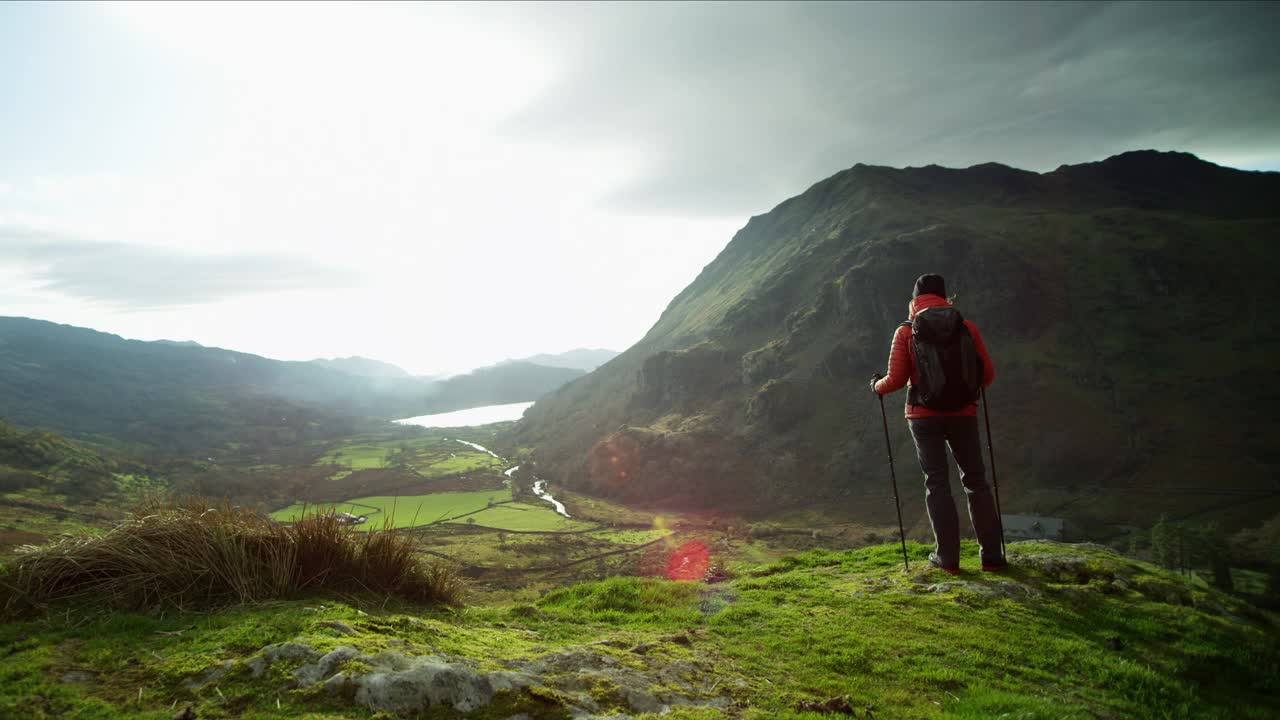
{"type": "Point", "coordinates": [1124, 303]}
{"type": "Point", "coordinates": [177, 398]}
{"type": "Point", "coordinates": [1070, 632]}
{"type": "Point", "coordinates": [51, 485]}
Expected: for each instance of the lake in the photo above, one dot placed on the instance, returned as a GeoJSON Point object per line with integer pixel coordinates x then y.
{"type": "Point", "coordinates": [470, 416]}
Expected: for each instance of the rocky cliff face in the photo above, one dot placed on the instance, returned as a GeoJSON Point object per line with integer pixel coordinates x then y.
{"type": "Point", "coordinates": [1123, 301]}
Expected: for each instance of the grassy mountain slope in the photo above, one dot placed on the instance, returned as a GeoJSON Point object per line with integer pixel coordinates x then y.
{"type": "Point", "coordinates": [1124, 303]}
{"type": "Point", "coordinates": [1071, 632]}
{"type": "Point", "coordinates": [51, 485]}
{"type": "Point", "coordinates": [183, 398]}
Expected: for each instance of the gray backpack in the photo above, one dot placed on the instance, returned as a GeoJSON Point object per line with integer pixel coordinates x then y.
{"type": "Point", "coordinates": [947, 364]}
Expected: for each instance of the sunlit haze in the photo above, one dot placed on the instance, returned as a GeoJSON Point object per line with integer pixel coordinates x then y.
{"type": "Point", "coordinates": [445, 186]}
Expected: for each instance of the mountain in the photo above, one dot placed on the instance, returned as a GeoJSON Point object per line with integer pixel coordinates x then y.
{"type": "Point", "coordinates": [499, 384]}
{"type": "Point", "coordinates": [362, 366]}
{"type": "Point", "coordinates": [178, 398]}
{"type": "Point", "coordinates": [1124, 302]}
{"type": "Point", "coordinates": [585, 359]}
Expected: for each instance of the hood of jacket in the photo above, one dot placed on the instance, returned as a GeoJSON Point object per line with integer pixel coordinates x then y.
{"type": "Point", "coordinates": [920, 302]}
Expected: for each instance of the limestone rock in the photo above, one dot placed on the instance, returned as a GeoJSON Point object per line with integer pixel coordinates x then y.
{"type": "Point", "coordinates": [313, 673]}
{"type": "Point", "coordinates": [77, 676]}
{"type": "Point", "coordinates": [427, 682]}
{"type": "Point", "coordinates": [210, 675]}
{"type": "Point", "coordinates": [591, 681]}
{"type": "Point", "coordinates": [341, 627]}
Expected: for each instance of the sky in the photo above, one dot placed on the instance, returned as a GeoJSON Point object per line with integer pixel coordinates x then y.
{"type": "Point", "coordinates": [443, 186]}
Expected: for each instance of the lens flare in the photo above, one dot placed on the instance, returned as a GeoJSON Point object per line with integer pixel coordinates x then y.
{"type": "Point", "coordinates": [688, 562]}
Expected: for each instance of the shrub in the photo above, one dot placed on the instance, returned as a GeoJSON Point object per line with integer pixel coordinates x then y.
{"type": "Point", "coordinates": [196, 551]}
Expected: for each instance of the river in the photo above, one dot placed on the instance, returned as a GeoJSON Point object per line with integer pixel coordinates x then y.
{"type": "Point", "coordinates": [483, 416]}
{"type": "Point", "coordinates": [540, 489]}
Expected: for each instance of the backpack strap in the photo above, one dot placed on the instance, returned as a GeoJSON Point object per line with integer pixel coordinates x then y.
{"type": "Point", "coordinates": [911, 391]}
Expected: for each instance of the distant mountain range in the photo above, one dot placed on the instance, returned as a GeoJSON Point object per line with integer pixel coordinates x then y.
{"type": "Point", "coordinates": [1124, 302]}
{"type": "Point", "coordinates": [585, 359]}
{"type": "Point", "coordinates": [365, 367]}
{"type": "Point", "coordinates": [182, 397]}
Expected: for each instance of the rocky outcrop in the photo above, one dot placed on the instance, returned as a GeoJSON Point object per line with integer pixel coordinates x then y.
{"type": "Point", "coordinates": [583, 681]}
{"type": "Point", "coordinates": [685, 378]}
{"type": "Point", "coordinates": [644, 465]}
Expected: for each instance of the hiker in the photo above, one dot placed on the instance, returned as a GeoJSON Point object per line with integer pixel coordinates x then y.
{"type": "Point", "coordinates": [942, 410]}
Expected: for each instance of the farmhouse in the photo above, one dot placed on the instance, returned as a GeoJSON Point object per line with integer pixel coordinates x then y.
{"type": "Point", "coordinates": [1032, 527]}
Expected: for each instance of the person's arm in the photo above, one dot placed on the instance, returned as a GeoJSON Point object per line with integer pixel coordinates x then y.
{"type": "Point", "coordinates": [988, 368]}
{"type": "Point", "coordinates": [899, 363]}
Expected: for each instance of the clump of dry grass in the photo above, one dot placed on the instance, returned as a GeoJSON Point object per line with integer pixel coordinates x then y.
{"type": "Point", "coordinates": [196, 551]}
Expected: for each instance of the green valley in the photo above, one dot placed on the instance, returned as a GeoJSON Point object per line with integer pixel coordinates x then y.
{"type": "Point", "coordinates": [639, 361]}
{"type": "Point", "coordinates": [701, 527]}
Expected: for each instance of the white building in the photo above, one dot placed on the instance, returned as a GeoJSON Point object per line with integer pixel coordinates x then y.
{"type": "Point", "coordinates": [1032, 527]}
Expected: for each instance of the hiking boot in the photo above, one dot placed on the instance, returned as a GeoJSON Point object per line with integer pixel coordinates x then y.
{"type": "Point", "coordinates": [995, 566]}
{"type": "Point", "coordinates": [936, 561]}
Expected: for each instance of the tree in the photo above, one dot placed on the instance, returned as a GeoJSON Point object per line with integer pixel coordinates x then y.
{"type": "Point", "coordinates": [1213, 550]}
{"type": "Point", "coordinates": [1163, 544]}
{"type": "Point", "coordinates": [1135, 542]}
{"type": "Point", "coordinates": [1260, 548]}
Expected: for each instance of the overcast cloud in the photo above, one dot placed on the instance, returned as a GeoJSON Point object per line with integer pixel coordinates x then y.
{"type": "Point", "coordinates": [143, 277]}
{"type": "Point", "coordinates": [443, 186]}
{"type": "Point", "coordinates": [739, 106]}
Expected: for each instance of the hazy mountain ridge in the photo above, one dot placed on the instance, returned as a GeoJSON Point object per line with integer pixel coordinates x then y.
{"type": "Point", "coordinates": [363, 366]}
{"type": "Point", "coordinates": [751, 387]}
{"type": "Point", "coordinates": [585, 359]}
{"type": "Point", "coordinates": [182, 398]}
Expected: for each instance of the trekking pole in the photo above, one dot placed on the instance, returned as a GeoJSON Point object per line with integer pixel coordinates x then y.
{"type": "Point", "coordinates": [902, 534]}
{"type": "Point", "coordinates": [986, 414]}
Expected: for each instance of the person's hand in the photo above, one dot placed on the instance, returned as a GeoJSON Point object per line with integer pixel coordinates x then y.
{"type": "Point", "coordinates": [875, 379]}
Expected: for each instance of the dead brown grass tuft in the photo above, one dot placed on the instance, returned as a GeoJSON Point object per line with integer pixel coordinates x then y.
{"type": "Point", "coordinates": [195, 551]}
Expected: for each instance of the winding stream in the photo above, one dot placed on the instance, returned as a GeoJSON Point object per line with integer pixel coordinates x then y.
{"type": "Point", "coordinates": [539, 485]}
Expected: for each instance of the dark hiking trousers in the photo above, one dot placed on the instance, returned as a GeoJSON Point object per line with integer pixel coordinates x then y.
{"type": "Point", "coordinates": [932, 436]}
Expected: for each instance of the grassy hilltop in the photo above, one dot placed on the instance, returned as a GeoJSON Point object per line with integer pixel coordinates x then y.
{"type": "Point", "coordinates": [1070, 632]}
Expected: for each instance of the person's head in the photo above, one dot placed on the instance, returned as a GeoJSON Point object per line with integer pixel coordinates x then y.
{"type": "Point", "coordinates": [930, 284]}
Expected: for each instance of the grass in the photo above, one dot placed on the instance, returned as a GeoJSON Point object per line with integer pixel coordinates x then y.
{"type": "Point", "coordinates": [429, 456]}
{"type": "Point", "coordinates": [359, 456]}
{"type": "Point", "coordinates": [489, 508]}
{"type": "Point", "coordinates": [134, 486]}
{"type": "Point", "coordinates": [403, 511]}
{"type": "Point", "coordinates": [197, 552]}
{"type": "Point", "coordinates": [789, 639]}
{"type": "Point", "coordinates": [529, 518]}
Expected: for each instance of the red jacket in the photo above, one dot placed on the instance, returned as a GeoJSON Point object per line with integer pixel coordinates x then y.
{"type": "Point", "coordinates": [902, 365]}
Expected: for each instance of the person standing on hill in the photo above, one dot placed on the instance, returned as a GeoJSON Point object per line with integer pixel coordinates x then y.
{"type": "Point", "coordinates": [939, 356]}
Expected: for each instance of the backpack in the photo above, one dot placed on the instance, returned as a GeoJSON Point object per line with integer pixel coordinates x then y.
{"type": "Point", "coordinates": [946, 361]}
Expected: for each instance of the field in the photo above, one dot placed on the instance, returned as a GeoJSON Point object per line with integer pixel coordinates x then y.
{"type": "Point", "coordinates": [532, 518]}
{"type": "Point", "coordinates": [360, 456]}
{"type": "Point", "coordinates": [487, 508]}
{"type": "Point", "coordinates": [406, 510]}
{"type": "Point", "coordinates": [430, 456]}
